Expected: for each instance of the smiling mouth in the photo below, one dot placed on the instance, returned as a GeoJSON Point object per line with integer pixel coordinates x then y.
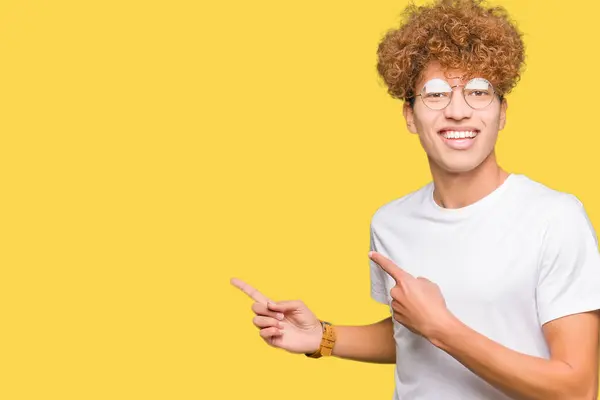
{"type": "Point", "coordinates": [451, 134]}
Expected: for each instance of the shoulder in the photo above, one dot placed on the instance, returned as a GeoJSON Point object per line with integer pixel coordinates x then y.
{"type": "Point", "coordinates": [561, 214]}
{"type": "Point", "coordinates": [539, 191]}
{"type": "Point", "coordinates": [547, 202]}
{"type": "Point", "coordinates": [402, 206]}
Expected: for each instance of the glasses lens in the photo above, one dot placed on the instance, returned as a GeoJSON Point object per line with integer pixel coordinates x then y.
{"type": "Point", "coordinates": [478, 93]}
{"type": "Point", "coordinates": [436, 94]}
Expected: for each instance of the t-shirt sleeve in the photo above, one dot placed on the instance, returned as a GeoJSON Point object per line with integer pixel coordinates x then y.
{"type": "Point", "coordinates": [569, 275]}
{"type": "Point", "coordinates": [378, 276]}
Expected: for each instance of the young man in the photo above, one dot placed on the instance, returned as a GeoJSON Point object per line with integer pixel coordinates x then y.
{"type": "Point", "coordinates": [492, 279]}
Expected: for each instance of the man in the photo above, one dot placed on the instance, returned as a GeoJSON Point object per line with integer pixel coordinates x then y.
{"type": "Point", "coordinates": [494, 285]}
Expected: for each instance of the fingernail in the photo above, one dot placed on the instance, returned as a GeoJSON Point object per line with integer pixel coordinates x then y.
{"type": "Point", "coordinates": [280, 316]}
{"type": "Point", "coordinates": [370, 254]}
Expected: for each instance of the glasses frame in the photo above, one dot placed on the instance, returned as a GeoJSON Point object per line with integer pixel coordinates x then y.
{"type": "Point", "coordinates": [462, 92]}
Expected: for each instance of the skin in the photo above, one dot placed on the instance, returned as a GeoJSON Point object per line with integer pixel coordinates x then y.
{"type": "Point", "coordinates": [291, 326]}
{"type": "Point", "coordinates": [461, 177]}
{"type": "Point", "coordinates": [571, 373]}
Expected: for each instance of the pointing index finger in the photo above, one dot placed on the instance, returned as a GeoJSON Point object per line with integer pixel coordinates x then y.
{"type": "Point", "coordinates": [252, 292]}
{"type": "Point", "coordinates": [397, 273]}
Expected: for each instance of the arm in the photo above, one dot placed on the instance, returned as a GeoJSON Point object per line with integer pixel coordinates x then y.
{"type": "Point", "coordinates": [292, 326]}
{"type": "Point", "coordinates": [571, 373]}
{"type": "Point", "coordinates": [370, 343]}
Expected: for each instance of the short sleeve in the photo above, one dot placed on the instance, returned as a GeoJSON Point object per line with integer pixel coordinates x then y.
{"type": "Point", "coordinates": [569, 275]}
{"type": "Point", "coordinates": [379, 292]}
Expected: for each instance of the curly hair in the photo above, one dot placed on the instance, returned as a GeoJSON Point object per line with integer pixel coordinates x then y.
{"type": "Point", "coordinates": [459, 34]}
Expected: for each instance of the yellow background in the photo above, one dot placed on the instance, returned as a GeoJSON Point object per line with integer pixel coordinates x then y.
{"type": "Point", "coordinates": [150, 150]}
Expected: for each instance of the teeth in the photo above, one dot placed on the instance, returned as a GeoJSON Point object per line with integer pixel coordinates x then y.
{"type": "Point", "coordinates": [459, 134]}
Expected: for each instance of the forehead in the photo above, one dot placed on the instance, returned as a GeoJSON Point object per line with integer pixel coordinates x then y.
{"type": "Point", "coordinates": [435, 70]}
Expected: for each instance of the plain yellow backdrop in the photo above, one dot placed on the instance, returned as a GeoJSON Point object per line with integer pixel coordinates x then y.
{"type": "Point", "coordinates": [151, 150]}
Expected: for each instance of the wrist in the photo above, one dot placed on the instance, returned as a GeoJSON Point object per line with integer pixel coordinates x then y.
{"type": "Point", "coordinates": [317, 338]}
{"type": "Point", "coordinates": [449, 327]}
{"type": "Point", "coordinates": [326, 342]}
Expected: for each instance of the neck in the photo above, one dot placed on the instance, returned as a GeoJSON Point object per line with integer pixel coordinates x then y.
{"type": "Point", "coordinates": [457, 190]}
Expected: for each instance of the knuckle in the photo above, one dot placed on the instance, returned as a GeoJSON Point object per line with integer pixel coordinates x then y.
{"type": "Point", "coordinates": [259, 309]}
{"type": "Point", "coordinates": [266, 332]}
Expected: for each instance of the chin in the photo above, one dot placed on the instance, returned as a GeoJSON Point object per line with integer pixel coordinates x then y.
{"type": "Point", "coordinates": [460, 166]}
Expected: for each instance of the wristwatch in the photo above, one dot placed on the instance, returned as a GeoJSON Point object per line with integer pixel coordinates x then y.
{"type": "Point", "coordinates": [327, 341]}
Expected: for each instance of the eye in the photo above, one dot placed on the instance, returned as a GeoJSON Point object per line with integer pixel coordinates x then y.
{"type": "Point", "coordinates": [478, 93]}
{"type": "Point", "coordinates": [436, 95]}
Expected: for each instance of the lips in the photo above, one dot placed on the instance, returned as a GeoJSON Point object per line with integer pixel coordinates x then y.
{"type": "Point", "coordinates": [459, 138]}
{"type": "Point", "coordinates": [459, 133]}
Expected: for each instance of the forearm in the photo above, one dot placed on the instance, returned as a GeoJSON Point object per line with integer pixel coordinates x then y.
{"type": "Point", "coordinates": [518, 375]}
{"type": "Point", "coordinates": [370, 343]}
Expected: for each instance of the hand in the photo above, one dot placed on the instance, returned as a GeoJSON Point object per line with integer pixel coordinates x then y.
{"type": "Point", "coordinates": [418, 303]}
{"type": "Point", "coordinates": [287, 325]}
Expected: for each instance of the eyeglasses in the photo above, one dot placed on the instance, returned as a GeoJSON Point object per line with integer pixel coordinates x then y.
{"type": "Point", "coordinates": [437, 93]}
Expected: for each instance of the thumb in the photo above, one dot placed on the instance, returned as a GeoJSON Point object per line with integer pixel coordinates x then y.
{"type": "Point", "coordinates": [422, 278]}
{"type": "Point", "coordinates": [285, 306]}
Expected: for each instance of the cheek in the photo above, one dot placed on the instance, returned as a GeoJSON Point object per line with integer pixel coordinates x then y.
{"type": "Point", "coordinates": [425, 121]}
{"type": "Point", "coordinates": [491, 119]}
{"type": "Point", "coordinates": [494, 123]}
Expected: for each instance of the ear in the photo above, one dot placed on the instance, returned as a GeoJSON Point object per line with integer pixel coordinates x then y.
{"type": "Point", "coordinates": [409, 116]}
{"type": "Point", "coordinates": [503, 108]}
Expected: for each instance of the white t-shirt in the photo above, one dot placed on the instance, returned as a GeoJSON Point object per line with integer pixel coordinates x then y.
{"type": "Point", "coordinates": [507, 264]}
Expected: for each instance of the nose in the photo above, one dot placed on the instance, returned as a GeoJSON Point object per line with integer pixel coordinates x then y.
{"type": "Point", "coordinates": [458, 109]}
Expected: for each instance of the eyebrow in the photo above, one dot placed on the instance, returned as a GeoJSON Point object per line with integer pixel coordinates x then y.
{"type": "Point", "coordinates": [479, 83]}
{"type": "Point", "coordinates": [435, 83]}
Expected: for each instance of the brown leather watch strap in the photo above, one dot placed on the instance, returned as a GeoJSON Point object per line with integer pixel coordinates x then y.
{"type": "Point", "coordinates": [327, 342]}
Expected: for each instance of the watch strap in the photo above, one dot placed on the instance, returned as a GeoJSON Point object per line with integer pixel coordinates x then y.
{"type": "Point", "coordinates": [327, 342]}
